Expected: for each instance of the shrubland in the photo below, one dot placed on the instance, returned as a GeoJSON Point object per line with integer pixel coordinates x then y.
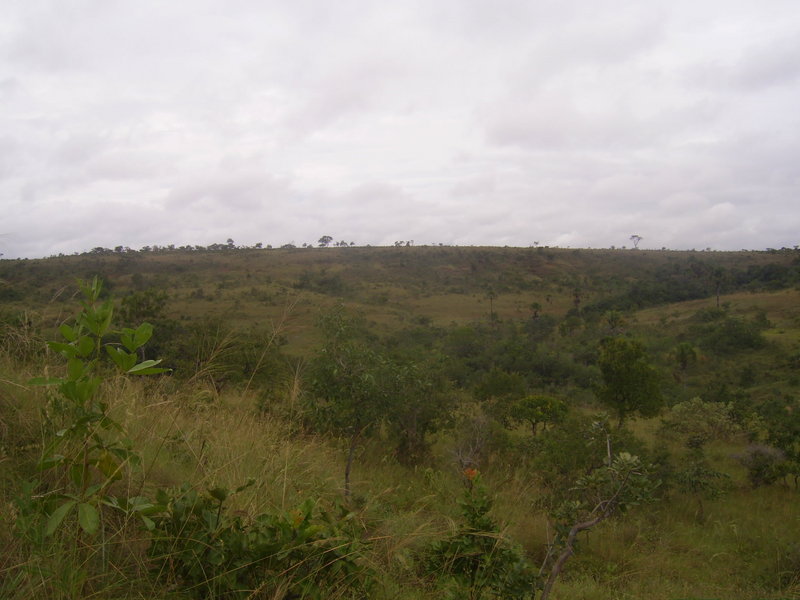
{"type": "Point", "coordinates": [400, 423]}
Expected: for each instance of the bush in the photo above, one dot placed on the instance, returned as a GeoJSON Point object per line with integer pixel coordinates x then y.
{"type": "Point", "coordinates": [297, 553]}
{"type": "Point", "coordinates": [478, 562]}
{"type": "Point", "coordinates": [730, 335]}
{"type": "Point", "coordinates": [577, 446]}
{"type": "Point", "coordinates": [789, 564]}
{"type": "Point", "coordinates": [764, 464]}
{"type": "Point", "coordinates": [709, 420]}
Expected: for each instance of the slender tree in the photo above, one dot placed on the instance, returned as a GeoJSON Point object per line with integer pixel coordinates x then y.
{"type": "Point", "coordinates": [349, 398]}
{"type": "Point", "coordinates": [630, 384]}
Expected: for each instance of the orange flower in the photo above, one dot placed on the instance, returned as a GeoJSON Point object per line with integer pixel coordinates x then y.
{"type": "Point", "coordinates": [470, 473]}
{"type": "Point", "coordinates": [297, 518]}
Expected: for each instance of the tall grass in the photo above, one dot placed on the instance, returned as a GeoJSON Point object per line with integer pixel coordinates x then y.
{"type": "Point", "coordinates": [743, 550]}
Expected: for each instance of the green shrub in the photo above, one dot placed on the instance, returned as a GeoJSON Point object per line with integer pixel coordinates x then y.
{"type": "Point", "coordinates": [729, 335]}
{"type": "Point", "coordinates": [478, 562]}
{"type": "Point", "coordinates": [577, 446]}
{"type": "Point", "coordinates": [301, 553]}
{"type": "Point", "coordinates": [765, 465]}
{"type": "Point", "coordinates": [710, 420]}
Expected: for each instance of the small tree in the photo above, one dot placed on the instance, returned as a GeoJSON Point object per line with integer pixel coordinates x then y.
{"type": "Point", "coordinates": [697, 478]}
{"type": "Point", "coordinates": [536, 308]}
{"type": "Point", "coordinates": [630, 384]}
{"type": "Point", "coordinates": [765, 465]}
{"type": "Point", "coordinates": [498, 390]}
{"type": "Point", "coordinates": [615, 321]}
{"type": "Point", "coordinates": [685, 355]}
{"type": "Point", "coordinates": [719, 278]}
{"type": "Point", "coordinates": [491, 295]}
{"type": "Point", "coordinates": [417, 405]}
{"type": "Point", "coordinates": [600, 495]}
{"type": "Point", "coordinates": [146, 304]}
{"type": "Point", "coordinates": [349, 397]}
{"type": "Point", "coordinates": [782, 416]}
{"type": "Point", "coordinates": [324, 241]}
{"type": "Point", "coordinates": [636, 239]}
{"type": "Point", "coordinates": [536, 409]}
{"type": "Point", "coordinates": [356, 386]}
{"type": "Point", "coordinates": [696, 418]}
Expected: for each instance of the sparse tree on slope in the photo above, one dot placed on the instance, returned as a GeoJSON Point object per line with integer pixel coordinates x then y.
{"type": "Point", "coordinates": [630, 384]}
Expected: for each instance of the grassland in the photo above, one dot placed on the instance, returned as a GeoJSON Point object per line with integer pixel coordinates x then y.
{"type": "Point", "coordinates": [745, 544]}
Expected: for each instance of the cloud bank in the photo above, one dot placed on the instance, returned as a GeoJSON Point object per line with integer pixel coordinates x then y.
{"type": "Point", "coordinates": [476, 122]}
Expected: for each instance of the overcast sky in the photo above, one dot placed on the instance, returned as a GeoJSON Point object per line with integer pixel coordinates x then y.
{"type": "Point", "coordinates": [470, 122]}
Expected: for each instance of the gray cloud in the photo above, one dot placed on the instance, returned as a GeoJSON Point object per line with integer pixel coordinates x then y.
{"type": "Point", "coordinates": [470, 123]}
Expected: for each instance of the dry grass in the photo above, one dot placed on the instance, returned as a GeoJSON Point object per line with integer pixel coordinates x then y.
{"type": "Point", "coordinates": [658, 552]}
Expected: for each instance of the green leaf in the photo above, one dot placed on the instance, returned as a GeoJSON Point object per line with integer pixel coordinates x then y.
{"type": "Point", "coordinates": [91, 290]}
{"type": "Point", "coordinates": [75, 368]}
{"type": "Point", "coordinates": [162, 497]}
{"type": "Point", "coordinates": [146, 365]}
{"type": "Point", "coordinates": [77, 474]}
{"type": "Point", "coordinates": [151, 371]}
{"type": "Point", "coordinates": [85, 346]}
{"type": "Point", "coordinates": [92, 490]}
{"type": "Point", "coordinates": [148, 522]}
{"type": "Point", "coordinates": [108, 466]}
{"type": "Point", "coordinates": [215, 556]}
{"type": "Point", "coordinates": [122, 453]}
{"type": "Point", "coordinates": [122, 359]}
{"type": "Point", "coordinates": [139, 503]}
{"type": "Point", "coordinates": [88, 518]}
{"type": "Point", "coordinates": [58, 516]}
{"type": "Point", "coordinates": [126, 337]}
{"type": "Point", "coordinates": [68, 332]}
{"type": "Point", "coordinates": [66, 350]}
{"type": "Point", "coordinates": [105, 314]}
{"type": "Point", "coordinates": [142, 334]}
{"type": "Point", "coordinates": [84, 390]}
{"type": "Point", "coordinates": [219, 493]}
{"type": "Point", "coordinates": [51, 461]}
{"type": "Point", "coordinates": [143, 365]}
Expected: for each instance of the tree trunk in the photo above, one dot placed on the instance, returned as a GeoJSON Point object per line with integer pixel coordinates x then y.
{"type": "Point", "coordinates": [351, 452]}
{"type": "Point", "coordinates": [700, 515]}
{"type": "Point", "coordinates": [567, 552]}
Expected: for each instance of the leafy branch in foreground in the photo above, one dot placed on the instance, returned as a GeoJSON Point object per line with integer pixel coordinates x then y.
{"type": "Point", "coordinates": [90, 452]}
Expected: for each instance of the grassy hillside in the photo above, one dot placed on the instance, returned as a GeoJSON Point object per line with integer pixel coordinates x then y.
{"type": "Point", "coordinates": [392, 286]}
{"type": "Point", "coordinates": [441, 345]}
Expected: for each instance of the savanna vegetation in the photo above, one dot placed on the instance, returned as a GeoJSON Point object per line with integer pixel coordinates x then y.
{"type": "Point", "coordinates": [404, 423]}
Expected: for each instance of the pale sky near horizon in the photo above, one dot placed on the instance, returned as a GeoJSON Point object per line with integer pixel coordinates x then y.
{"type": "Point", "coordinates": [469, 122]}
